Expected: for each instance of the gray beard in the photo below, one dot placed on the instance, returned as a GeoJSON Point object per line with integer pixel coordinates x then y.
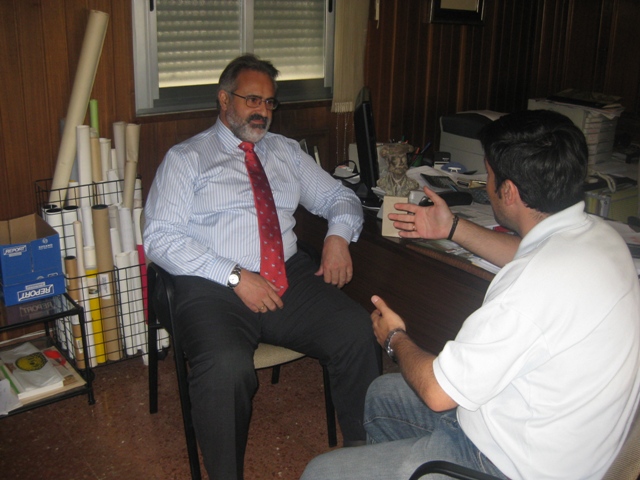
{"type": "Point", "coordinates": [243, 129]}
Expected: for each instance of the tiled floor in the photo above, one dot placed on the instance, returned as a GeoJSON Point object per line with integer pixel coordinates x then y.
{"type": "Point", "coordinates": [117, 438]}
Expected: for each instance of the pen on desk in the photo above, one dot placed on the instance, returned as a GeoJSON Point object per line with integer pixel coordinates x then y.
{"type": "Point", "coordinates": [426, 147]}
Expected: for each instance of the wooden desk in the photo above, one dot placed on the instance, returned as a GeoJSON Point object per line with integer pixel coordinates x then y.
{"type": "Point", "coordinates": [433, 292]}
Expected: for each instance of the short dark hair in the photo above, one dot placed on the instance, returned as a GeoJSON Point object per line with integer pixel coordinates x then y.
{"type": "Point", "coordinates": [248, 61]}
{"type": "Point", "coordinates": [543, 153]}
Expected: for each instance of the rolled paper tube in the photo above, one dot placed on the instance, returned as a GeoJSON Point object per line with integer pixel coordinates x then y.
{"type": "Point", "coordinates": [84, 164]}
{"type": "Point", "coordinates": [116, 247]}
{"type": "Point", "coordinates": [137, 311]}
{"type": "Point", "coordinates": [79, 241]}
{"type": "Point", "coordinates": [137, 194]}
{"type": "Point", "coordinates": [86, 218]}
{"type": "Point", "coordinates": [100, 196]}
{"type": "Point", "coordinates": [127, 236]}
{"type": "Point", "coordinates": [137, 224]}
{"type": "Point", "coordinates": [132, 142]}
{"type": "Point", "coordinates": [130, 173]}
{"type": "Point", "coordinates": [69, 215]}
{"type": "Point", "coordinates": [105, 156]}
{"type": "Point", "coordinates": [89, 324]}
{"type": "Point", "coordinates": [79, 100]}
{"type": "Point", "coordinates": [104, 261]}
{"type": "Point", "coordinates": [114, 160]}
{"type": "Point", "coordinates": [93, 115]}
{"type": "Point", "coordinates": [126, 302]}
{"type": "Point", "coordinates": [131, 165]}
{"type": "Point", "coordinates": [138, 220]}
{"type": "Point", "coordinates": [96, 160]}
{"type": "Point", "coordinates": [73, 194]}
{"type": "Point", "coordinates": [114, 216]}
{"type": "Point", "coordinates": [45, 207]}
{"type": "Point", "coordinates": [115, 186]}
{"type": "Point", "coordinates": [93, 294]}
{"type": "Point", "coordinates": [120, 142]}
{"type": "Point", "coordinates": [109, 196]}
{"type": "Point", "coordinates": [53, 217]}
{"type": "Point", "coordinates": [74, 288]}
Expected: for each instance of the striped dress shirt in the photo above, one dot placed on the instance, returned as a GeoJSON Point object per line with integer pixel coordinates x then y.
{"type": "Point", "coordinates": [200, 216]}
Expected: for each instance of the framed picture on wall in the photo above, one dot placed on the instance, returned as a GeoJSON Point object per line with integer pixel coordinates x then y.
{"type": "Point", "coordinates": [465, 12]}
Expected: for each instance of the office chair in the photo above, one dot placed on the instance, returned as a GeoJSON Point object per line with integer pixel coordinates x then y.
{"type": "Point", "coordinates": [626, 465]}
{"type": "Point", "coordinates": [161, 294]}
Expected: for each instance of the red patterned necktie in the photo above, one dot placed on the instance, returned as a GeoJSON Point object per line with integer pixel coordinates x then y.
{"type": "Point", "coordinates": [271, 251]}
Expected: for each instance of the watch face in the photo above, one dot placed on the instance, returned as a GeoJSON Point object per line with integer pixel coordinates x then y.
{"type": "Point", "coordinates": [234, 279]}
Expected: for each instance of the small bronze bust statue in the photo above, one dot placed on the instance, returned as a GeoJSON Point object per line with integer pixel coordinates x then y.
{"type": "Point", "coordinates": [395, 181]}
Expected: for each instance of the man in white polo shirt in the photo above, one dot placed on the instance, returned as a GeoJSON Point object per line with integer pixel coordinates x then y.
{"type": "Point", "coordinates": [541, 381]}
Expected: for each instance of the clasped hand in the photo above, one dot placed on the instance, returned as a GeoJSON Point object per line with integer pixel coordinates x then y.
{"type": "Point", "coordinates": [260, 295]}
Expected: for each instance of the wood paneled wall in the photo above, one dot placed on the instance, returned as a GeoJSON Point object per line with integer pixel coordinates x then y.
{"type": "Point", "coordinates": [417, 72]}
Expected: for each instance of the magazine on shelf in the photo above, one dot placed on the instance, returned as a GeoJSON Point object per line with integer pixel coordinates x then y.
{"type": "Point", "coordinates": [29, 371]}
{"type": "Point", "coordinates": [71, 379]}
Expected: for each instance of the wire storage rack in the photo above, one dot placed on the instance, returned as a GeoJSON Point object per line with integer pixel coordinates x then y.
{"type": "Point", "coordinates": [114, 298]}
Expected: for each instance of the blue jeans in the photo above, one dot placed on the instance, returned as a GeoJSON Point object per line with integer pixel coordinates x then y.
{"type": "Point", "coordinates": [402, 433]}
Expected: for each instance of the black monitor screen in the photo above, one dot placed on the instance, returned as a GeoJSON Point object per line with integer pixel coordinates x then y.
{"type": "Point", "coordinates": [365, 133]}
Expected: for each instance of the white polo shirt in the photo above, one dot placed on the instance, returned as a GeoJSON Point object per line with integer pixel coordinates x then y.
{"type": "Point", "coordinates": [546, 372]}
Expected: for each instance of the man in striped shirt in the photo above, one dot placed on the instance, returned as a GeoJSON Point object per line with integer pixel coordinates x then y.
{"type": "Point", "coordinates": [201, 226]}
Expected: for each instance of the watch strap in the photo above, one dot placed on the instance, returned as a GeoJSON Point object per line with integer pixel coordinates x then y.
{"type": "Point", "coordinates": [236, 271]}
{"type": "Point", "coordinates": [387, 342]}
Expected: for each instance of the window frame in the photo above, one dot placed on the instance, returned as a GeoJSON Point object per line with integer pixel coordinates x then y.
{"type": "Point", "coordinates": [151, 100]}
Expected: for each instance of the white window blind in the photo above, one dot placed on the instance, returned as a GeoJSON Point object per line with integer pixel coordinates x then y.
{"type": "Point", "coordinates": [182, 46]}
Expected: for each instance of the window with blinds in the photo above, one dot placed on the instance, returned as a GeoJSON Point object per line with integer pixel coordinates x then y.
{"type": "Point", "coordinates": [182, 46]}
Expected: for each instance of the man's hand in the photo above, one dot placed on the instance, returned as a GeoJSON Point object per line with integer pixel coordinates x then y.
{"type": "Point", "coordinates": [432, 223]}
{"type": "Point", "coordinates": [257, 293]}
{"type": "Point", "coordinates": [384, 320]}
{"type": "Point", "coordinates": [336, 265]}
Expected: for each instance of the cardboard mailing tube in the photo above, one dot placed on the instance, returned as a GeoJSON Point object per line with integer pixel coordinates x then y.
{"type": "Point", "coordinates": [104, 262]}
{"type": "Point", "coordinates": [84, 295]}
{"type": "Point", "coordinates": [93, 116]}
{"type": "Point", "coordinates": [96, 159]}
{"type": "Point", "coordinates": [120, 144]}
{"type": "Point", "coordinates": [83, 141]}
{"type": "Point", "coordinates": [127, 301]}
{"type": "Point", "coordinates": [75, 291]}
{"type": "Point", "coordinates": [79, 101]}
{"type": "Point", "coordinates": [105, 157]}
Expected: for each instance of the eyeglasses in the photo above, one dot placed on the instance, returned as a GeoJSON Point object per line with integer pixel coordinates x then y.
{"type": "Point", "coordinates": [253, 101]}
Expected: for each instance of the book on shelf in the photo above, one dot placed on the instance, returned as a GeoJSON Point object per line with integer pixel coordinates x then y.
{"type": "Point", "coordinates": [29, 371]}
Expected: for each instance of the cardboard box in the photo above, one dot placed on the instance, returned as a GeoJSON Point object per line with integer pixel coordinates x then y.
{"type": "Point", "coordinates": [30, 260]}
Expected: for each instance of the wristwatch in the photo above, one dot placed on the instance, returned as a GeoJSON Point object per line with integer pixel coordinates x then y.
{"type": "Point", "coordinates": [234, 277]}
{"type": "Point", "coordinates": [387, 342]}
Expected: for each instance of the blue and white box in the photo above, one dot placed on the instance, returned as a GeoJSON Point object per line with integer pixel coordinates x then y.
{"type": "Point", "coordinates": [30, 260]}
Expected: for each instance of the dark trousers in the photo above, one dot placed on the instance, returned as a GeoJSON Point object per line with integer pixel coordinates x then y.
{"type": "Point", "coordinates": [219, 334]}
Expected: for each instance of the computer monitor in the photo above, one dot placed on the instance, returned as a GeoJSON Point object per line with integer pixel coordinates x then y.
{"type": "Point", "coordinates": [365, 133]}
